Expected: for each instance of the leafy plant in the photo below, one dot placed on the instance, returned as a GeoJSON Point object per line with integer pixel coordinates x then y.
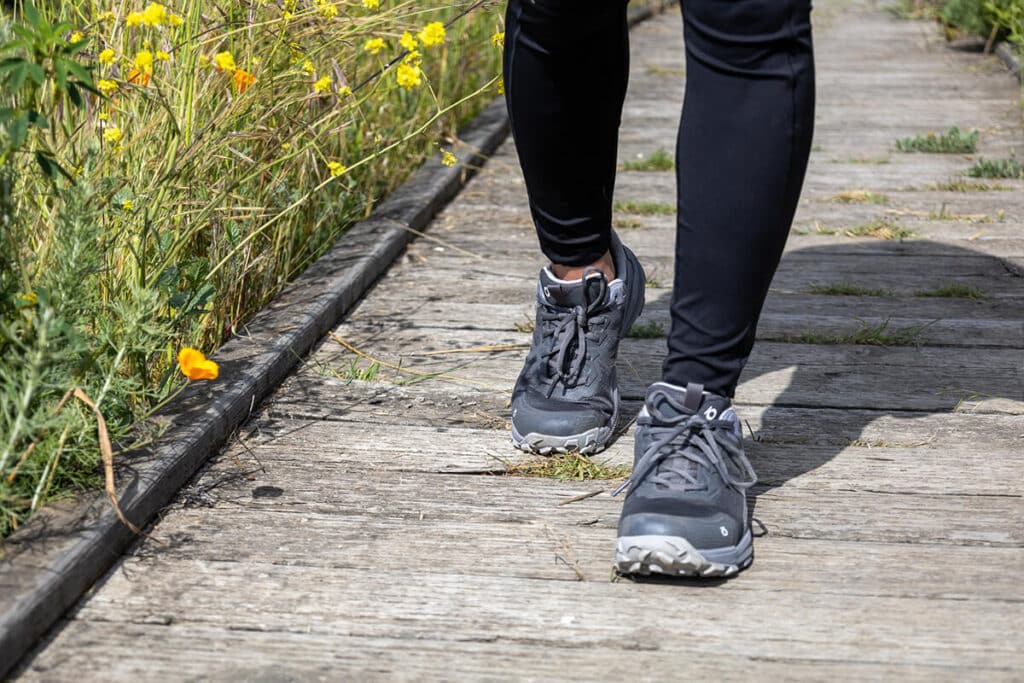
{"type": "Point", "coordinates": [997, 168]}
{"type": "Point", "coordinates": [952, 141]}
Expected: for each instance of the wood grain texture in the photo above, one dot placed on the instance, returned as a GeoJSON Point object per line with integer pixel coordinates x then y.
{"type": "Point", "coordinates": [363, 529]}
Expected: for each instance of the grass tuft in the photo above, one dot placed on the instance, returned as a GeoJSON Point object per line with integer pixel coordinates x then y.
{"type": "Point", "coordinates": [571, 466]}
{"type": "Point", "coordinates": [659, 160]}
{"type": "Point", "coordinates": [956, 185]}
{"type": "Point", "coordinates": [953, 291]}
{"type": "Point", "coordinates": [997, 168]}
{"type": "Point", "coordinates": [880, 228]}
{"type": "Point", "coordinates": [642, 208]}
{"type": "Point", "coordinates": [860, 197]}
{"type": "Point", "coordinates": [651, 329]}
{"type": "Point", "coordinates": [355, 371]}
{"type": "Point", "coordinates": [865, 335]}
{"type": "Point", "coordinates": [952, 141]}
{"type": "Point", "coordinates": [848, 289]}
{"type": "Point", "coordinates": [866, 160]}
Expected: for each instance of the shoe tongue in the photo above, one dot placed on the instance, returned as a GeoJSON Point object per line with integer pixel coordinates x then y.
{"type": "Point", "coordinates": [570, 293]}
{"type": "Point", "coordinates": [672, 401]}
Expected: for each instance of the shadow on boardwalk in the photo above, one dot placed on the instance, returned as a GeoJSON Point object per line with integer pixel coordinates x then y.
{"type": "Point", "coordinates": [913, 376]}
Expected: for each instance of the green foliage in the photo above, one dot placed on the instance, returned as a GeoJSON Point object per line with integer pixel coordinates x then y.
{"type": "Point", "coordinates": [866, 334]}
{"type": "Point", "coordinates": [167, 213]}
{"type": "Point", "coordinates": [651, 329]}
{"type": "Point", "coordinates": [951, 142]}
{"type": "Point", "coordinates": [659, 160]}
{"type": "Point", "coordinates": [997, 168]}
{"type": "Point", "coordinates": [848, 289]}
{"type": "Point", "coordinates": [43, 83]}
{"type": "Point", "coordinates": [644, 208]}
{"type": "Point", "coordinates": [953, 291]}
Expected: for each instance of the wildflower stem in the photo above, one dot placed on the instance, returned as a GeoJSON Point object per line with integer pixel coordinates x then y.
{"type": "Point", "coordinates": [298, 202]}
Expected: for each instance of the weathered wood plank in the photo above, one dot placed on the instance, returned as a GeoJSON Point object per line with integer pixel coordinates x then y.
{"type": "Point", "coordinates": [896, 464]}
{"type": "Point", "coordinates": [214, 652]}
{"type": "Point", "coordinates": [785, 317]}
{"type": "Point", "coordinates": [835, 376]}
{"type": "Point", "coordinates": [391, 602]}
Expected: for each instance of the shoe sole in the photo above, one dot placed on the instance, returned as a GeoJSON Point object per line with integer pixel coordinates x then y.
{"type": "Point", "coordinates": [675, 556]}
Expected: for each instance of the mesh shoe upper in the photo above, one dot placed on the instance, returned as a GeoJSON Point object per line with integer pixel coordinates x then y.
{"type": "Point", "coordinates": [690, 473]}
{"type": "Point", "coordinates": [568, 382]}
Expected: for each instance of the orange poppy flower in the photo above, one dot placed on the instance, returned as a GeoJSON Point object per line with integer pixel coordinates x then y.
{"type": "Point", "coordinates": [195, 365]}
{"type": "Point", "coordinates": [243, 79]}
{"type": "Point", "coordinates": [137, 77]}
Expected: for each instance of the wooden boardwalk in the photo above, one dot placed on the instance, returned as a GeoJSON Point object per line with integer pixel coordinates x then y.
{"type": "Point", "coordinates": [362, 529]}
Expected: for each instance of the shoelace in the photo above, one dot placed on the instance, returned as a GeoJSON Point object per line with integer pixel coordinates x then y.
{"type": "Point", "coordinates": [681, 439]}
{"type": "Point", "coordinates": [565, 359]}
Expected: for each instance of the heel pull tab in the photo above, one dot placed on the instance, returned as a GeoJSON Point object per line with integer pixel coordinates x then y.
{"type": "Point", "coordinates": [694, 397]}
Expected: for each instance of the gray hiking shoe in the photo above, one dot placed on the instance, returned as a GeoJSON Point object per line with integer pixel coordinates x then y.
{"type": "Point", "coordinates": [566, 397]}
{"type": "Point", "coordinates": [686, 510]}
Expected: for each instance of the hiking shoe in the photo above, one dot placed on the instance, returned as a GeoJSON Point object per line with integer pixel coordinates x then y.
{"type": "Point", "coordinates": [566, 397]}
{"type": "Point", "coordinates": [686, 510]}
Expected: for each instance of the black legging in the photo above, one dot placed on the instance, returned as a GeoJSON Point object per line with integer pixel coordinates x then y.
{"type": "Point", "coordinates": [744, 139]}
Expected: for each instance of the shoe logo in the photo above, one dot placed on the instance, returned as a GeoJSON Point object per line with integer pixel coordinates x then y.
{"type": "Point", "coordinates": [711, 413]}
{"type": "Point", "coordinates": [725, 532]}
{"type": "Point", "coordinates": [547, 293]}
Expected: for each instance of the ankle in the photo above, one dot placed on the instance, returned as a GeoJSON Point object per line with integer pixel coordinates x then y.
{"type": "Point", "coordinates": [605, 264]}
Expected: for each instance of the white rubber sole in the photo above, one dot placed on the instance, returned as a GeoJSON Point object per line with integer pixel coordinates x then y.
{"type": "Point", "coordinates": [675, 556]}
{"type": "Point", "coordinates": [589, 442]}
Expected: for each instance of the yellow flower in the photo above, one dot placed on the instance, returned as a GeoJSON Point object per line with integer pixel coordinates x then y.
{"type": "Point", "coordinates": [371, 4]}
{"type": "Point", "coordinates": [29, 298]}
{"type": "Point", "coordinates": [308, 68]}
{"type": "Point", "coordinates": [175, 20]}
{"type": "Point", "coordinates": [107, 17]}
{"type": "Point", "coordinates": [374, 45]}
{"type": "Point", "coordinates": [223, 61]}
{"type": "Point", "coordinates": [128, 205]}
{"type": "Point", "coordinates": [414, 58]}
{"type": "Point", "coordinates": [155, 14]}
{"type": "Point", "coordinates": [106, 57]}
{"type": "Point", "coordinates": [144, 61]}
{"type": "Point", "coordinates": [286, 146]}
{"type": "Point", "coordinates": [107, 86]}
{"type": "Point", "coordinates": [286, 16]}
{"type": "Point", "coordinates": [501, 86]}
{"type": "Point", "coordinates": [322, 85]}
{"type": "Point", "coordinates": [162, 56]}
{"type": "Point", "coordinates": [327, 10]}
{"type": "Point", "coordinates": [344, 90]}
{"type": "Point", "coordinates": [204, 61]}
{"type": "Point", "coordinates": [195, 365]}
{"type": "Point", "coordinates": [498, 39]}
{"type": "Point", "coordinates": [112, 135]}
{"type": "Point", "coordinates": [407, 41]}
{"type": "Point", "coordinates": [448, 159]}
{"type": "Point", "coordinates": [432, 34]}
{"type": "Point", "coordinates": [76, 37]}
{"type": "Point", "coordinates": [134, 19]}
{"type": "Point", "coordinates": [335, 168]}
{"type": "Point", "coordinates": [103, 116]}
{"type": "Point", "coordinates": [408, 76]}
